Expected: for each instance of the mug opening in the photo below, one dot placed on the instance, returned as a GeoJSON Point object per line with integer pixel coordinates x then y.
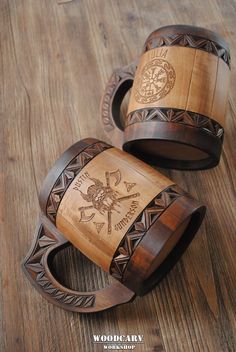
{"type": "Point", "coordinates": [170, 154]}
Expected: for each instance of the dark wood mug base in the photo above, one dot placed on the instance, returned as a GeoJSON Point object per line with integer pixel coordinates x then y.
{"type": "Point", "coordinates": [172, 145]}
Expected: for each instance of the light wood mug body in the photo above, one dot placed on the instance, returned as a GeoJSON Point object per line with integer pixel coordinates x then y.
{"type": "Point", "coordinates": [121, 213]}
{"type": "Point", "coordinates": [177, 107]}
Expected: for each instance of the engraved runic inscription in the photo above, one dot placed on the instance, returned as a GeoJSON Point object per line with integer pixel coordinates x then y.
{"type": "Point", "coordinates": [155, 81]}
{"type": "Point", "coordinates": [104, 199]}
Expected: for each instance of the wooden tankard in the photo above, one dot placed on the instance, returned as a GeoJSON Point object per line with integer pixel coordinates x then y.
{"type": "Point", "coordinates": [177, 107]}
{"type": "Point", "coordinates": [122, 214]}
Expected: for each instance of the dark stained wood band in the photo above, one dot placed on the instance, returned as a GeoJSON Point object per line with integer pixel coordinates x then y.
{"type": "Point", "coordinates": [156, 131]}
{"type": "Point", "coordinates": [183, 117]}
{"type": "Point", "coordinates": [64, 171]}
{"type": "Point", "coordinates": [139, 228]}
{"type": "Point", "coordinates": [189, 36]}
{"type": "Point", "coordinates": [135, 275]}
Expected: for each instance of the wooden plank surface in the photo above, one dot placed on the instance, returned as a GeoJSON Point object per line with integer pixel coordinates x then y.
{"type": "Point", "coordinates": [55, 58]}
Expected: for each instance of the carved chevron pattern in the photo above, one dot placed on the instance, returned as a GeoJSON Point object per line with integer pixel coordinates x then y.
{"type": "Point", "coordinates": [140, 227]}
{"type": "Point", "coordinates": [190, 41]}
{"type": "Point", "coordinates": [35, 268]}
{"type": "Point", "coordinates": [117, 77]}
{"type": "Point", "coordinates": [177, 116]}
{"type": "Point", "coordinates": [68, 175]}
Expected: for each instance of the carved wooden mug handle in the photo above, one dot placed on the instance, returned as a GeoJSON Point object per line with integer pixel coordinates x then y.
{"type": "Point", "coordinates": [47, 242]}
{"type": "Point", "coordinates": [118, 85]}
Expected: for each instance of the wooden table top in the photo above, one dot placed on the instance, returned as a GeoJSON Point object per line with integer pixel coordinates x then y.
{"type": "Point", "coordinates": [56, 57]}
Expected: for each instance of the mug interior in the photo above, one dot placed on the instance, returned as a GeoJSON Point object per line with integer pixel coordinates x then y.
{"type": "Point", "coordinates": [170, 154]}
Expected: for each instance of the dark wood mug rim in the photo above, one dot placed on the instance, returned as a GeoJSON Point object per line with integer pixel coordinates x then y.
{"type": "Point", "coordinates": [189, 30]}
{"type": "Point", "coordinates": [137, 280]}
{"type": "Point", "coordinates": [58, 167]}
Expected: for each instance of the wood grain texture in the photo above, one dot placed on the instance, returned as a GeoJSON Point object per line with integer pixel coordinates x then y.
{"type": "Point", "coordinates": [197, 81]}
{"type": "Point", "coordinates": [91, 229]}
{"type": "Point", "coordinates": [56, 57]}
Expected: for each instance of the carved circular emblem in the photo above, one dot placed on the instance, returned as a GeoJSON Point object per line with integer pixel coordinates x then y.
{"type": "Point", "coordinates": [155, 81]}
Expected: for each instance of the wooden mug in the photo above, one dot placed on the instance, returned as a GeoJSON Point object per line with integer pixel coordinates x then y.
{"type": "Point", "coordinates": [121, 213]}
{"type": "Point", "coordinates": [177, 107]}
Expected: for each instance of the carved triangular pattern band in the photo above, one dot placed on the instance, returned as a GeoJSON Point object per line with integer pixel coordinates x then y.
{"type": "Point", "coordinates": [36, 269]}
{"type": "Point", "coordinates": [176, 116]}
{"type": "Point", "coordinates": [172, 115]}
{"type": "Point", "coordinates": [139, 228]}
{"type": "Point", "coordinates": [119, 75]}
{"type": "Point", "coordinates": [68, 175]}
{"type": "Point", "coordinates": [189, 41]}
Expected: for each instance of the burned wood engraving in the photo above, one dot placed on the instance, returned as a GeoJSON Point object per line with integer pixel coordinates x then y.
{"type": "Point", "coordinates": [104, 199]}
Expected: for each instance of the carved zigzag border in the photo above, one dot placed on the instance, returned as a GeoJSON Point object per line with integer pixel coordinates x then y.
{"type": "Point", "coordinates": [189, 41]}
{"type": "Point", "coordinates": [179, 116]}
{"type": "Point", "coordinates": [176, 116]}
{"type": "Point", "coordinates": [34, 265]}
{"type": "Point", "coordinates": [139, 228]}
{"type": "Point", "coordinates": [119, 75]}
{"type": "Point", "coordinates": [68, 175]}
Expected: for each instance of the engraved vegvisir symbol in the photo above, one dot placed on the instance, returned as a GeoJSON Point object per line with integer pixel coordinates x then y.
{"type": "Point", "coordinates": [155, 81]}
{"type": "Point", "coordinates": [104, 199]}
